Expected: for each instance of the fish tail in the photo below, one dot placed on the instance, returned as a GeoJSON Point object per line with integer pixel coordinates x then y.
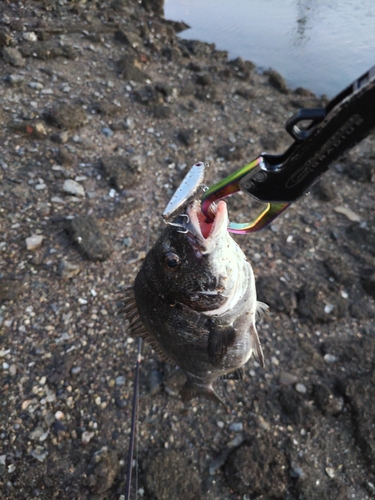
{"type": "Point", "coordinates": [194, 388]}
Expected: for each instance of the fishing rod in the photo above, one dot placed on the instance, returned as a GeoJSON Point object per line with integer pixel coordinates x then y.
{"type": "Point", "coordinates": [135, 400]}
{"type": "Point", "coordinates": [129, 469]}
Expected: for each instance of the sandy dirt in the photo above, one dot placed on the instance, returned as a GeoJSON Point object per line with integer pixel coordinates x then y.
{"type": "Point", "coordinates": [103, 109]}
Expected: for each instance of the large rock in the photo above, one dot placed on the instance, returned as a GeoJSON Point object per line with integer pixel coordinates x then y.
{"type": "Point", "coordinates": [89, 238]}
{"type": "Point", "coordinates": [13, 56]}
{"type": "Point", "coordinates": [67, 116]}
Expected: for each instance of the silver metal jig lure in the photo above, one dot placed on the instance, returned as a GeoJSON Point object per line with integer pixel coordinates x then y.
{"type": "Point", "coordinates": [186, 192]}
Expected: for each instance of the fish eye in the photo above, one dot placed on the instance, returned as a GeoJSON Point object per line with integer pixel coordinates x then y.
{"type": "Point", "coordinates": [172, 261]}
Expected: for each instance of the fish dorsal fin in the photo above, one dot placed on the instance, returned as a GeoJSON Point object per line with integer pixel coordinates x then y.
{"type": "Point", "coordinates": [219, 340]}
{"type": "Point", "coordinates": [136, 326]}
{"type": "Point", "coordinates": [256, 345]}
{"type": "Point", "coordinates": [130, 311]}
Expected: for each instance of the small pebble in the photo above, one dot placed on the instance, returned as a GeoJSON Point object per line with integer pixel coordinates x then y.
{"type": "Point", "coordinates": [329, 358]}
{"type": "Point", "coordinates": [57, 199]}
{"type": "Point", "coordinates": [301, 388]}
{"type": "Point", "coordinates": [295, 471]}
{"type": "Point", "coordinates": [36, 85]}
{"type": "Point", "coordinates": [120, 380]}
{"type": "Point", "coordinates": [61, 138]}
{"type": "Point", "coordinates": [25, 404]}
{"type": "Point", "coordinates": [127, 241]}
{"type": "Point", "coordinates": [287, 378]}
{"type": "Point", "coordinates": [236, 426]}
{"type": "Point", "coordinates": [107, 132]}
{"type": "Point", "coordinates": [328, 308]}
{"type": "Point", "coordinates": [34, 241]}
{"type": "Point", "coordinates": [68, 270]}
{"type": "Point", "coordinates": [330, 472]}
{"type": "Point", "coordinates": [236, 441]}
{"type": "Point", "coordinates": [39, 453]}
{"type": "Point", "coordinates": [121, 403]}
{"type": "Point", "coordinates": [30, 36]}
{"type": "Point", "coordinates": [339, 167]}
{"type": "Point", "coordinates": [349, 214]}
{"type": "Point", "coordinates": [72, 187]}
{"type": "Point", "coordinates": [87, 436]}
{"type": "Point", "coordinates": [59, 415]}
{"type": "Point", "coordinates": [36, 433]}
{"type": "Point", "coordinates": [128, 123]}
{"type": "Point", "coordinates": [16, 80]}
{"type": "Point", "coordinates": [275, 361]}
{"type": "Point", "coordinates": [155, 380]}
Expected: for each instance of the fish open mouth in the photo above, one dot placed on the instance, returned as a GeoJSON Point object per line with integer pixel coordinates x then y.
{"type": "Point", "coordinates": [198, 224]}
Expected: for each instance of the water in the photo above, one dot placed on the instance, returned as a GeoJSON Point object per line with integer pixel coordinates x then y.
{"type": "Point", "coordinates": [322, 45]}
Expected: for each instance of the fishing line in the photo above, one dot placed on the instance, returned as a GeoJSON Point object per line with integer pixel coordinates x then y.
{"type": "Point", "coordinates": [134, 421]}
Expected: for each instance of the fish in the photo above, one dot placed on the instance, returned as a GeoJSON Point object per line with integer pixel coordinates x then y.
{"type": "Point", "coordinates": [194, 301]}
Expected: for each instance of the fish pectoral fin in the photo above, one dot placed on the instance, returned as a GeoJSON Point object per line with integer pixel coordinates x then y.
{"type": "Point", "coordinates": [219, 340]}
{"type": "Point", "coordinates": [236, 375]}
{"type": "Point", "coordinates": [256, 345]}
{"type": "Point", "coordinates": [193, 389]}
{"type": "Point", "coordinates": [262, 309]}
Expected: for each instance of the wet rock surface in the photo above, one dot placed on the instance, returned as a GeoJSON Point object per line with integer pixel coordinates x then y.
{"type": "Point", "coordinates": [105, 99]}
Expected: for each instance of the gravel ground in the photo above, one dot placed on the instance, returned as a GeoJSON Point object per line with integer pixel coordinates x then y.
{"type": "Point", "coordinates": [103, 109]}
